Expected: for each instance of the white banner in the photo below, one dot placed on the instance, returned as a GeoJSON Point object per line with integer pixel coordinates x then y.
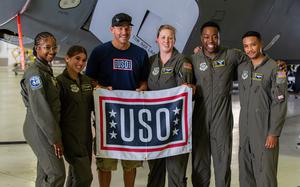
{"type": "Point", "coordinates": [134, 125]}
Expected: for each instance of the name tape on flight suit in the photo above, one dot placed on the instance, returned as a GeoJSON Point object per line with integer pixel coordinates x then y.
{"type": "Point", "coordinates": [218, 63]}
{"type": "Point", "coordinates": [257, 76]}
{"type": "Point", "coordinates": [86, 87]}
{"type": "Point", "coordinates": [167, 70]}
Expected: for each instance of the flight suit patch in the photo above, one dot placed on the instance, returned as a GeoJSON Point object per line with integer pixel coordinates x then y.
{"type": "Point", "coordinates": [203, 66]}
{"type": "Point", "coordinates": [219, 63]}
{"type": "Point", "coordinates": [74, 88]}
{"type": "Point", "coordinates": [279, 95]}
{"type": "Point", "coordinates": [167, 70]}
{"type": "Point", "coordinates": [258, 76]}
{"type": "Point", "coordinates": [86, 87]}
{"type": "Point", "coordinates": [280, 77]}
{"type": "Point", "coordinates": [155, 71]}
{"type": "Point", "coordinates": [245, 75]}
{"type": "Point", "coordinates": [187, 66]}
{"type": "Point", "coordinates": [35, 82]}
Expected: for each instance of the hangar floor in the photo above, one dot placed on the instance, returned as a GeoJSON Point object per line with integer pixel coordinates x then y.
{"type": "Point", "coordinates": [17, 161]}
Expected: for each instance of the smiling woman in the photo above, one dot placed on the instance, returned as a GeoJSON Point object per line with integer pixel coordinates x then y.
{"type": "Point", "coordinates": [169, 69]}
{"type": "Point", "coordinates": [76, 96]}
{"type": "Point", "coordinates": [41, 127]}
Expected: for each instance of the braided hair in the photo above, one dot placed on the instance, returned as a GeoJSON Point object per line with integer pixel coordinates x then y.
{"type": "Point", "coordinates": [39, 37]}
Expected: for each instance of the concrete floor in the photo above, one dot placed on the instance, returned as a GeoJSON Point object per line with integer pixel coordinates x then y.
{"type": "Point", "coordinates": [17, 162]}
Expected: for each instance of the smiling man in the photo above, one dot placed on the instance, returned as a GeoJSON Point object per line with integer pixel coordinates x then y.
{"type": "Point", "coordinates": [119, 65]}
{"type": "Point", "coordinates": [263, 92]}
{"type": "Point", "coordinates": [214, 69]}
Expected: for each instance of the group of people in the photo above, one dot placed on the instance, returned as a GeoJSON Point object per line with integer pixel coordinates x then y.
{"type": "Point", "coordinates": [58, 119]}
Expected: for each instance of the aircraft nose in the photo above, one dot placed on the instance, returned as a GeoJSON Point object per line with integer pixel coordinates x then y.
{"type": "Point", "coordinates": [10, 8]}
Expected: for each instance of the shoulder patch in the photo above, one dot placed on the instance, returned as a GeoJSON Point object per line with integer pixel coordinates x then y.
{"type": "Point", "coordinates": [280, 77]}
{"type": "Point", "coordinates": [35, 82]}
{"type": "Point", "coordinates": [187, 66]}
{"type": "Point", "coordinates": [281, 74]}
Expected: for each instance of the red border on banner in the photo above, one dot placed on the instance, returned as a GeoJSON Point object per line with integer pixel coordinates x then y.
{"type": "Point", "coordinates": [183, 95]}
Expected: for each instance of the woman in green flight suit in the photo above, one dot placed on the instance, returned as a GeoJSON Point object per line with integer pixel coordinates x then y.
{"type": "Point", "coordinates": [76, 96]}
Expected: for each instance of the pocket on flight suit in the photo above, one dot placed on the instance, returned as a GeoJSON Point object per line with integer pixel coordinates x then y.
{"type": "Point", "coordinates": [262, 118]}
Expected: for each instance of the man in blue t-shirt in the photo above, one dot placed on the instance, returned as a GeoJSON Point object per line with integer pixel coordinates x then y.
{"type": "Point", "coordinates": [119, 65]}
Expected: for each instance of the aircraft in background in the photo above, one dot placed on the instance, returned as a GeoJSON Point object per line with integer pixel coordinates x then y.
{"type": "Point", "coordinates": [86, 22]}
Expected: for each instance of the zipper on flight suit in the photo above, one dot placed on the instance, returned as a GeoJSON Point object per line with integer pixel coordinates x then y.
{"type": "Point", "coordinates": [249, 92]}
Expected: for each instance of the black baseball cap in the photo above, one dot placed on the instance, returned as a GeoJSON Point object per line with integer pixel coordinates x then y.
{"type": "Point", "coordinates": [121, 19]}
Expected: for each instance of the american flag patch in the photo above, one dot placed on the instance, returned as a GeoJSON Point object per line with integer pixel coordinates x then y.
{"type": "Point", "coordinates": [187, 66]}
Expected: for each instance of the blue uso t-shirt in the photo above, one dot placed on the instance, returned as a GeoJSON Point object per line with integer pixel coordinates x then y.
{"type": "Point", "coordinates": [121, 69]}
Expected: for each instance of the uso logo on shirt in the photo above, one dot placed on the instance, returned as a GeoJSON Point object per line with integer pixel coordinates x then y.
{"type": "Point", "coordinates": [122, 64]}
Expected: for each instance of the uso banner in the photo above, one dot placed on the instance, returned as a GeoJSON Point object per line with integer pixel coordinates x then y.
{"type": "Point", "coordinates": [147, 125]}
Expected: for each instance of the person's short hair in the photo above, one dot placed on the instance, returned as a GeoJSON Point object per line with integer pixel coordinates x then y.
{"type": "Point", "coordinates": [210, 24]}
{"type": "Point", "coordinates": [121, 19]}
{"type": "Point", "coordinates": [252, 33]}
{"type": "Point", "coordinates": [169, 27]}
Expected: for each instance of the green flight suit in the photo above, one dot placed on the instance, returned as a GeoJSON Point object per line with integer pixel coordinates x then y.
{"type": "Point", "coordinates": [76, 107]}
{"type": "Point", "coordinates": [263, 99]}
{"type": "Point", "coordinates": [177, 71]}
{"type": "Point", "coordinates": [212, 116]}
{"type": "Point", "coordinates": [41, 127]}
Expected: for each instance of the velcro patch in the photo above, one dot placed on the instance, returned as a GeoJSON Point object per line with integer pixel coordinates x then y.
{"type": "Point", "coordinates": [281, 74]}
{"type": "Point", "coordinates": [280, 77]}
{"type": "Point", "coordinates": [280, 97]}
{"type": "Point", "coordinates": [86, 87]}
{"type": "Point", "coordinates": [74, 88]}
{"type": "Point", "coordinates": [257, 76]}
{"type": "Point", "coordinates": [35, 82]}
{"type": "Point", "coordinates": [219, 63]}
{"type": "Point", "coordinates": [187, 66]}
{"type": "Point", "coordinates": [167, 70]}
